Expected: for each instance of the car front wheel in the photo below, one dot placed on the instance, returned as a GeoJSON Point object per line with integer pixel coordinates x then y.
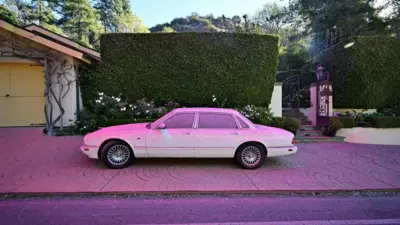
{"type": "Point", "coordinates": [117, 155]}
{"type": "Point", "coordinates": [250, 156]}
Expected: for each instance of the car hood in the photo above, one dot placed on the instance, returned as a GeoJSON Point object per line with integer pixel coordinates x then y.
{"type": "Point", "coordinates": [126, 127]}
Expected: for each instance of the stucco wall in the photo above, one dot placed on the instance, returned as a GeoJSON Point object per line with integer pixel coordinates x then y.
{"type": "Point", "coordinates": [276, 100]}
{"type": "Point", "coordinates": [69, 102]}
{"type": "Point", "coordinates": [390, 136]}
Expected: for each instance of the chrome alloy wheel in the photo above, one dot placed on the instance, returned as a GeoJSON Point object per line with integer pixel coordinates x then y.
{"type": "Point", "coordinates": [118, 155]}
{"type": "Point", "coordinates": [251, 155]}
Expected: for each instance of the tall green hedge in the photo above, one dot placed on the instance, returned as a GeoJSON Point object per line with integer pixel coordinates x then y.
{"type": "Point", "coordinates": [365, 75]}
{"type": "Point", "coordinates": [186, 67]}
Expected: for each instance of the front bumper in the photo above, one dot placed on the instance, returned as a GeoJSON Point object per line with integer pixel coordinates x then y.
{"type": "Point", "coordinates": [90, 151]}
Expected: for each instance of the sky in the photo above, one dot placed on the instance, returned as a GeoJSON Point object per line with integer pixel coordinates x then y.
{"type": "Point", "coordinates": [154, 12]}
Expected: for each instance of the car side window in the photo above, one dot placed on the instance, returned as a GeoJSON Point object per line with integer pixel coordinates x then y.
{"type": "Point", "coordinates": [180, 120]}
{"type": "Point", "coordinates": [216, 120]}
{"type": "Point", "coordinates": [242, 123]}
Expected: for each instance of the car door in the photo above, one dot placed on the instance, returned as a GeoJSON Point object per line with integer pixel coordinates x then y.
{"type": "Point", "coordinates": [217, 135]}
{"type": "Point", "coordinates": [176, 140]}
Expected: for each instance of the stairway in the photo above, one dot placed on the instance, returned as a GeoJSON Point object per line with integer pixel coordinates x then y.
{"type": "Point", "coordinates": [307, 132]}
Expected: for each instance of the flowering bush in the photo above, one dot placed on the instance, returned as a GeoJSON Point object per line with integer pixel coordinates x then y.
{"type": "Point", "coordinates": [260, 115]}
{"type": "Point", "coordinates": [110, 110]}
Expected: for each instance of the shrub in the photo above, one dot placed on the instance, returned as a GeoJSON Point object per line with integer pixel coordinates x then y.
{"type": "Point", "coordinates": [258, 115]}
{"type": "Point", "coordinates": [278, 122]}
{"type": "Point", "coordinates": [384, 121]}
{"type": "Point", "coordinates": [190, 67]}
{"type": "Point", "coordinates": [334, 125]}
{"type": "Point", "coordinates": [291, 124]}
{"type": "Point", "coordinates": [348, 122]}
{"type": "Point", "coordinates": [365, 75]}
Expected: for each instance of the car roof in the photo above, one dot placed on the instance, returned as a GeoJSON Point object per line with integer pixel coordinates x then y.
{"type": "Point", "coordinates": [206, 109]}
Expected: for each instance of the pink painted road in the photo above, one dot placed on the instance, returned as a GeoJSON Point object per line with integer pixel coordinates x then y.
{"type": "Point", "coordinates": [31, 162]}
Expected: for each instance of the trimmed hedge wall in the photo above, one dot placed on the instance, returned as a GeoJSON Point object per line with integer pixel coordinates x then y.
{"type": "Point", "coordinates": [384, 121]}
{"type": "Point", "coordinates": [365, 75]}
{"type": "Point", "coordinates": [187, 67]}
{"type": "Point", "coordinates": [372, 121]}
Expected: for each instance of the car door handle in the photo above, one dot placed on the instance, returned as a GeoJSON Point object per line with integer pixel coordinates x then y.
{"type": "Point", "coordinates": [235, 133]}
{"type": "Point", "coordinates": [188, 133]}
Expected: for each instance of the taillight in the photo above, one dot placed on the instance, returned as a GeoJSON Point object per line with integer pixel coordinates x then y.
{"type": "Point", "coordinates": [293, 142]}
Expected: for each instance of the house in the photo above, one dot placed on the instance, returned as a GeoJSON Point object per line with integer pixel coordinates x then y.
{"type": "Point", "coordinates": [38, 76]}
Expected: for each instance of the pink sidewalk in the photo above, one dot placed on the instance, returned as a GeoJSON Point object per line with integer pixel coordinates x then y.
{"type": "Point", "coordinates": [31, 162]}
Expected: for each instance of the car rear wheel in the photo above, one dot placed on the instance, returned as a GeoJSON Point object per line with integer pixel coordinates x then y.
{"type": "Point", "coordinates": [251, 156]}
{"type": "Point", "coordinates": [117, 155]}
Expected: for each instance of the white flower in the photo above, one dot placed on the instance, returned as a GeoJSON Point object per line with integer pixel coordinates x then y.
{"type": "Point", "coordinates": [101, 98]}
{"type": "Point", "coordinates": [147, 111]}
{"type": "Point", "coordinates": [101, 93]}
{"type": "Point", "coordinates": [214, 99]}
{"type": "Point", "coordinates": [84, 127]}
{"type": "Point", "coordinates": [130, 105]}
{"type": "Point", "coordinates": [138, 113]}
{"type": "Point", "coordinates": [148, 105]}
{"type": "Point", "coordinates": [134, 106]}
{"type": "Point", "coordinates": [98, 101]}
{"type": "Point", "coordinates": [123, 108]}
{"type": "Point", "coordinates": [118, 99]}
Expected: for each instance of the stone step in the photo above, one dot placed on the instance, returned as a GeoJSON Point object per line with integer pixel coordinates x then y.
{"type": "Point", "coordinates": [309, 133]}
{"type": "Point", "coordinates": [318, 139]}
{"type": "Point", "coordinates": [309, 127]}
{"type": "Point", "coordinates": [306, 122]}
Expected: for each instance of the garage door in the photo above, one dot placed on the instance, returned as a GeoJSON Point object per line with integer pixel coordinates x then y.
{"type": "Point", "coordinates": [21, 95]}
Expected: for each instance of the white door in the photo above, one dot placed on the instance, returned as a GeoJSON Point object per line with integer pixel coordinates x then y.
{"type": "Point", "coordinates": [176, 140]}
{"type": "Point", "coordinates": [217, 135]}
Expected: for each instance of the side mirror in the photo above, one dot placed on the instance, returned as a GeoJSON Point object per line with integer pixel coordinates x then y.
{"type": "Point", "coordinates": [161, 126]}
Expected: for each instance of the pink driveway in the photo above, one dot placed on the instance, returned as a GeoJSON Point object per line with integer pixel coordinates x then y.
{"type": "Point", "coordinates": [31, 162]}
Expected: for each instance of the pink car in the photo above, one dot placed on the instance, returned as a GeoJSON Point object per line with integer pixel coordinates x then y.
{"type": "Point", "coordinates": [190, 133]}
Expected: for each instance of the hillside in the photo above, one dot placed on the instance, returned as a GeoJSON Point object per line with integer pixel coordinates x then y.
{"type": "Point", "coordinates": [197, 23]}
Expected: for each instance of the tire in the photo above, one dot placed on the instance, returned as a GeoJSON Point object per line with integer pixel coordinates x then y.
{"type": "Point", "coordinates": [117, 155]}
{"type": "Point", "coordinates": [250, 156]}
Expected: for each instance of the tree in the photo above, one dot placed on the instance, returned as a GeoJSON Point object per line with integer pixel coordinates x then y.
{"type": "Point", "coordinates": [80, 21]}
{"type": "Point", "coordinates": [271, 18]}
{"type": "Point", "coordinates": [393, 17]}
{"type": "Point", "coordinates": [21, 10]}
{"type": "Point", "coordinates": [167, 30]}
{"type": "Point", "coordinates": [8, 15]}
{"type": "Point", "coordinates": [117, 16]}
{"type": "Point", "coordinates": [106, 13]}
{"type": "Point", "coordinates": [39, 12]}
{"type": "Point", "coordinates": [330, 22]}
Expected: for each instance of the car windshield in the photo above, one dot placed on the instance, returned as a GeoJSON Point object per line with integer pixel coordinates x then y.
{"type": "Point", "coordinates": [149, 125]}
{"type": "Point", "coordinates": [246, 120]}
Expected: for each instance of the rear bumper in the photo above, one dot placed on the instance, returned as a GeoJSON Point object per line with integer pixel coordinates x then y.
{"type": "Point", "coordinates": [281, 151]}
{"type": "Point", "coordinates": [90, 151]}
